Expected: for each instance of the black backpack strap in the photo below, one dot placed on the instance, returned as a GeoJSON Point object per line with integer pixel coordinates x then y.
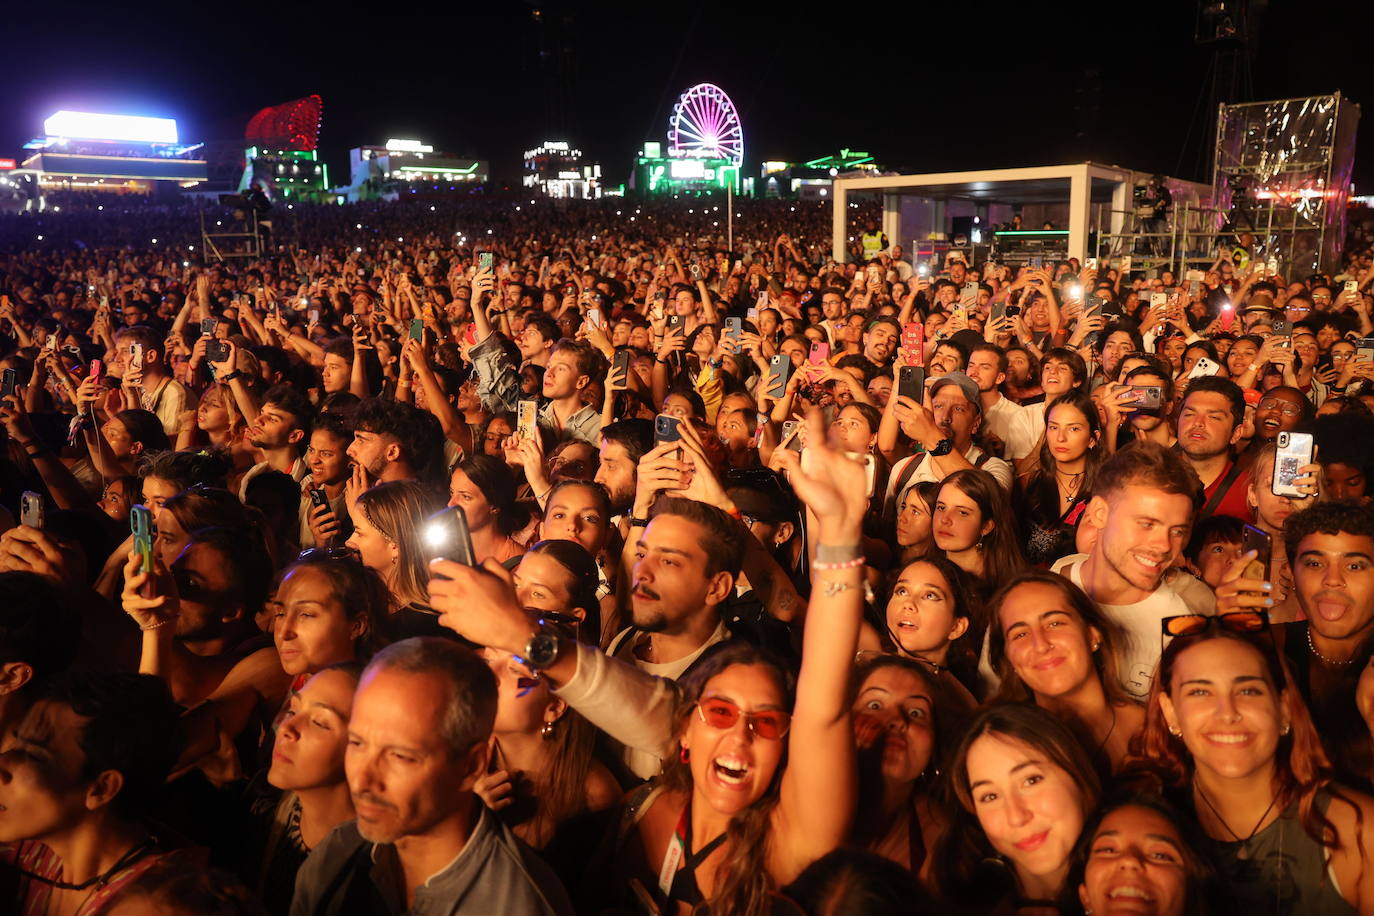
{"type": "Point", "coordinates": [1220, 492]}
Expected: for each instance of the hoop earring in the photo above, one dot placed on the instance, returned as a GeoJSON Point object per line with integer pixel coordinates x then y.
{"type": "Point", "coordinates": [683, 754]}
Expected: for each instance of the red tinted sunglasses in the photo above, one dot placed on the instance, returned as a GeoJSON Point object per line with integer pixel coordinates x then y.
{"type": "Point", "coordinates": [771, 724]}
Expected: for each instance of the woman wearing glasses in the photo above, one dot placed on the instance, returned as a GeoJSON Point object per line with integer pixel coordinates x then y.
{"type": "Point", "coordinates": [1226, 729]}
{"type": "Point", "coordinates": [1021, 788]}
{"type": "Point", "coordinates": [1050, 644]}
{"type": "Point", "coordinates": [756, 785]}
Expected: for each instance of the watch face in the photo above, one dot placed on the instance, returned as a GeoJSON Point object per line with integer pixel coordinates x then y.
{"type": "Point", "coordinates": [943, 447]}
{"type": "Point", "coordinates": [542, 650]}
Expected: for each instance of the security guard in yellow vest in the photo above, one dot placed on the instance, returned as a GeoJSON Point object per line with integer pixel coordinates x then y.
{"type": "Point", "coordinates": [874, 242]}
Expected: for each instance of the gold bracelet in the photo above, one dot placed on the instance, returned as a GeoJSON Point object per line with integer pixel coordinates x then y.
{"type": "Point", "coordinates": [160, 623]}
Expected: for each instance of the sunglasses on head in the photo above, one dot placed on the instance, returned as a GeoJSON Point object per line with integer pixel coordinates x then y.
{"type": "Point", "coordinates": [1246, 623]}
{"type": "Point", "coordinates": [771, 724]}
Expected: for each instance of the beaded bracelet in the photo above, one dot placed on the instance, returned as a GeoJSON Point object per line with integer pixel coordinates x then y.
{"type": "Point", "coordinates": [847, 564]}
{"type": "Point", "coordinates": [160, 623]}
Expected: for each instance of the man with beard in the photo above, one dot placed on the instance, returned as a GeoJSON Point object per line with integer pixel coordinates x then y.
{"type": "Point", "coordinates": [1210, 421]}
{"type": "Point", "coordinates": [623, 443]}
{"type": "Point", "coordinates": [395, 441]}
{"type": "Point", "coordinates": [683, 569]}
{"type": "Point", "coordinates": [423, 842]}
{"type": "Point", "coordinates": [880, 341]}
{"type": "Point", "coordinates": [280, 431]}
{"type": "Point", "coordinates": [1142, 508]}
{"type": "Point", "coordinates": [944, 432]}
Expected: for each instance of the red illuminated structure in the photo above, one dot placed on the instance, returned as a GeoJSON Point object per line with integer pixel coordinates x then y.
{"type": "Point", "coordinates": [290, 126]}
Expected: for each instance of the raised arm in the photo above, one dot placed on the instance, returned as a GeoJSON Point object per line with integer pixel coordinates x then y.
{"type": "Point", "coordinates": [819, 786]}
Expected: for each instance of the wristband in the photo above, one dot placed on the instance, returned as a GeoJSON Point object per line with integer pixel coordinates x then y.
{"type": "Point", "coordinates": [847, 564]}
{"type": "Point", "coordinates": [636, 522]}
{"type": "Point", "coordinates": [830, 553]}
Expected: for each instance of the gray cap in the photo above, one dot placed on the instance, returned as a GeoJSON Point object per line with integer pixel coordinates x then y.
{"type": "Point", "coordinates": [967, 385]}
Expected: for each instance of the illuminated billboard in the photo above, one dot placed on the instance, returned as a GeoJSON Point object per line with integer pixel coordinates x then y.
{"type": "Point", "coordinates": [128, 128]}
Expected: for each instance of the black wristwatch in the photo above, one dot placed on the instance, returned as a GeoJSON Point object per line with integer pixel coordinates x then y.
{"type": "Point", "coordinates": [942, 448]}
{"type": "Point", "coordinates": [231, 376]}
{"type": "Point", "coordinates": [543, 648]}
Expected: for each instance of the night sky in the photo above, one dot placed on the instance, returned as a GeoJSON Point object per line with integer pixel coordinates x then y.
{"type": "Point", "coordinates": [923, 86]}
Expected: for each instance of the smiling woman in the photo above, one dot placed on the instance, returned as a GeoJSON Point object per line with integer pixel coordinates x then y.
{"type": "Point", "coordinates": [1225, 725]}
{"type": "Point", "coordinates": [1022, 787]}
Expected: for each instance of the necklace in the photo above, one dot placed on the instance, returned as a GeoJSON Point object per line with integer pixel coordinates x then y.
{"type": "Point", "coordinates": [1243, 852]}
{"type": "Point", "coordinates": [1324, 660]}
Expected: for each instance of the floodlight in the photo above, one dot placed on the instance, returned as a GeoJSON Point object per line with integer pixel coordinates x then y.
{"type": "Point", "coordinates": [133, 128]}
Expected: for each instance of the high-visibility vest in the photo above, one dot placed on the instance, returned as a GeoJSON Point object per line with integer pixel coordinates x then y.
{"type": "Point", "coordinates": [873, 245]}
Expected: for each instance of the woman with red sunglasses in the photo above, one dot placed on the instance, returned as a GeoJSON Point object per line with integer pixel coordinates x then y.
{"type": "Point", "coordinates": [1227, 731]}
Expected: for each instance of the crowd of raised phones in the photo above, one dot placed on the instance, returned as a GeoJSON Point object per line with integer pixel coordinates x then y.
{"type": "Point", "coordinates": [497, 555]}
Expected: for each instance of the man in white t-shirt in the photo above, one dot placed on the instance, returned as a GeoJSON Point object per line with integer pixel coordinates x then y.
{"type": "Point", "coordinates": [987, 366]}
{"type": "Point", "coordinates": [1143, 504]}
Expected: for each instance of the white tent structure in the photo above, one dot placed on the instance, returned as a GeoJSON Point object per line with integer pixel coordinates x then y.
{"type": "Point", "coordinates": [1095, 198]}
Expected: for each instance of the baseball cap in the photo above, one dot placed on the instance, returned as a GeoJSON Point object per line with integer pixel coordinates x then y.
{"type": "Point", "coordinates": [967, 385]}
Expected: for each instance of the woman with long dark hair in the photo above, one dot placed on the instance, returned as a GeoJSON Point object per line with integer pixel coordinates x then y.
{"type": "Point", "coordinates": [1049, 644]}
{"type": "Point", "coordinates": [484, 488]}
{"type": "Point", "coordinates": [1050, 497]}
{"type": "Point", "coordinates": [1021, 788]}
{"type": "Point", "coordinates": [1227, 730]}
{"type": "Point", "coordinates": [972, 528]}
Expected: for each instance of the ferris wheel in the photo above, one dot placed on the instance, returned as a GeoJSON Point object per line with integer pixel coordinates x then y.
{"type": "Point", "coordinates": [705, 125]}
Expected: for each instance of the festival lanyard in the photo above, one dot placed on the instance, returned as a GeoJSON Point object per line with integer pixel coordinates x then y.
{"type": "Point", "coordinates": [672, 857]}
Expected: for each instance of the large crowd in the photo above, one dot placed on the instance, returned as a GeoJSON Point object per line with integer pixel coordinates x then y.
{"type": "Point", "coordinates": [494, 555]}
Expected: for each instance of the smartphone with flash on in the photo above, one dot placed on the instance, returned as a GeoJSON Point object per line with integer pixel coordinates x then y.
{"type": "Point", "coordinates": [446, 536]}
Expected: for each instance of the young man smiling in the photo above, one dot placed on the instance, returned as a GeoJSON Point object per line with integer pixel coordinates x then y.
{"type": "Point", "coordinates": [1142, 508]}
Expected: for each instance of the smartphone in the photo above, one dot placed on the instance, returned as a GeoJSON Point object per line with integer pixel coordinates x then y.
{"type": "Point", "coordinates": [1271, 267]}
{"type": "Point", "coordinates": [1092, 305]}
{"type": "Point", "coordinates": [207, 327]}
{"type": "Point", "coordinates": [870, 473]}
{"type": "Point", "coordinates": [1283, 329]}
{"type": "Point", "coordinates": [752, 314]}
{"type": "Point", "coordinates": [1125, 264]}
{"type": "Point", "coordinates": [1203, 366]}
{"type": "Point", "coordinates": [1146, 397]}
{"type": "Point", "coordinates": [527, 416]}
{"type": "Point", "coordinates": [621, 363]}
{"type": "Point", "coordinates": [968, 294]}
{"type": "Point", "coordinates": [95, 369]}
{"type": "Point", "coordinates": [923, 270]}
{"type": "Point", "coordinates": [446, 537]}
{"type": "Point", "coordinates": [781, 367]}
{"type": "Point", "coordinates": [1090, 263]}
{"type": "Point", "coordinates": [1294, 452]}
{"type": "Point", "coordinates": [217, 351]}
{"type": "Point", "coordinates": [314, 315]}
{"type": "Point", "coordinates": [999, 311]}
{"type": "Point", "coordinates": [676, 323]}
{"type": "Point", "coordinates": [594, 317]}
{"type": "Point", "coordinates": [136, 357]}
{"type": "Point", "coordinates": [790, 435]}
{"type": "Point", "coordinates": [911, 383]}
{"type": "Point", "coordinates": [318, 497]}
{"type": "Point", "coordinates": [1037, 262]}
{"type": "Point", "coordinates": [820, 352]}
{"type": "Point", "coordinates": [1228, 316]}
{"type": "Point", "coordinates": [51, 343]}
{"type": "Point", "coordinates": [665, 429]}
{"type": "Point", "coordinates": [417, 329]}
{"type": "Point", "coordinates": [1194, 288]}
{"type": "Point", "coordinates": [31, 510]}
{"type": "Point", "coordinates": [1252, 538]}
{"type": "Point", "coordinates": [1364, 349]}
{"type": "Point", "coordinates": [141, 524]}
{"type": "Point", "coordinates": [761, 303]}
{"type": "Point", "coordinates": [734, 328]}
{"type": "Point", "coordinates": [1352, 286]}
{"type": "Point", "coordinates": [1159, 300]}
{"type": "Point", "coordinates": [7, 382]}
{"type": "Point", "coordinates": [485, 259]}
